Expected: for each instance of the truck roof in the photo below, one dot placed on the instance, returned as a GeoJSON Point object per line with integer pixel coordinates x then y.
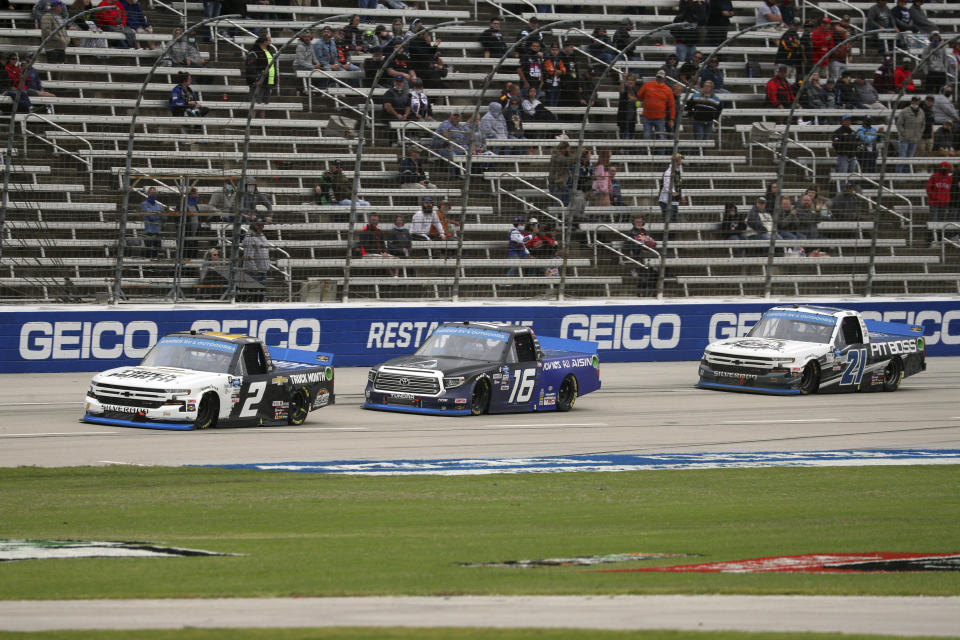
{"type": "Point", "coordinates": [832, 312]}
{"type": "Point", "coordinates": [233, 338]}
{"type": "Point", "coordinates": [512, 329]}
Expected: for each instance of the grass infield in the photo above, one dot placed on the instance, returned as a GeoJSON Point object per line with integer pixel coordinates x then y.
{"type": "Point", "coordinates": [324, 535]}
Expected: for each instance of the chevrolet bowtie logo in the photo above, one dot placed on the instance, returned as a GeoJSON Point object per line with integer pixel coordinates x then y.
{"type": "Point", "coordinates": [279, 380]}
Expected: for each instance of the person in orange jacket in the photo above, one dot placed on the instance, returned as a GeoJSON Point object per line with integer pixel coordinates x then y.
{"type": "Point", "coordinates": [659, 107]}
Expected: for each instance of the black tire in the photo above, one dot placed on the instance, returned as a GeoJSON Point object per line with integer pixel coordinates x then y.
{"type": "Point", "coordinates": [810, 380]}
{"type": "Point", "coordinates": [567, 394]}
{"type": "Point", "coordinates": [480, 398]}
{"type": "Point", "coordinates": [207, 412]}
{"type": "Point", "coordinates": [892, 374]}
{"type": "Point", "coordinates": [299, 407]}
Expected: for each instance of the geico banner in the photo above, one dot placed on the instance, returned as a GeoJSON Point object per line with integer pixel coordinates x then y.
{"type": "Point", "coordinates": [77, 339]}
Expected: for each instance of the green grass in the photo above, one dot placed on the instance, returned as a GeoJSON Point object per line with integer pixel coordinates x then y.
{"type": "Point", "coordinates": [324, 535]}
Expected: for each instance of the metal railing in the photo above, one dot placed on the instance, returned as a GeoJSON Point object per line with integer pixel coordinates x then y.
{"type": "Point", "coordinates": [287, 274]}
{"type": "Point", "coordinates": [944, 240]}
{"type": "Point", "coordinates": [527, 203]}
{"type": "Point", "coordinates": [611, 248]}
{"type": "Point", "coordinates": [430, 150]}
{"type": "Point", "coordinates": [336, 99]}
{"type": "Point", "coordinates": [73, 134]}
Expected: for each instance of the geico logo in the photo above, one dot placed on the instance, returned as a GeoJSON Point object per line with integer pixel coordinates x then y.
{"type": "Point", "coordinates": [299, 333]}
{"type": "Point", "coordinates": [634, 331]}
{"type": "Point", "coordinates": [731, 325]}
{"type": "Point", "coordinates": [945, 326]}
{"type": "Point", "coordinates": [71, 340]}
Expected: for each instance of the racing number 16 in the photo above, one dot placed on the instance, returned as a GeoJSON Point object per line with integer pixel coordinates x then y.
{"type": "Point", "coordinates": [523, 386]}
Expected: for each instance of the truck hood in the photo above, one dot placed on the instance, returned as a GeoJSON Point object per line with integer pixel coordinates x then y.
{"type": "Point", "coordinates": [449, 366]}
{"type": "Point", "coordinates": [765, 348]}
{"type": "Point", "coordinates": [156, 377]}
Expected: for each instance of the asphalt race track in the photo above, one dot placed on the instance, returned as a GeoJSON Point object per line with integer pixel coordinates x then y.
{"type": "Point", "coordinates": [642, 409]}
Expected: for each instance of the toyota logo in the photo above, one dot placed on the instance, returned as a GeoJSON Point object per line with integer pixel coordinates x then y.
{"type": "Point", "coordinates": [404, 381]}
{"type": "Point", "coordinates": [126, 394]}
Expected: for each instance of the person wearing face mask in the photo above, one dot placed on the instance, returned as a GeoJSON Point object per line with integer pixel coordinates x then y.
{"type": "Point", "coordinates": [184, 53]}
{"type": "Point", "coordinates": [152, 224]}
{"type": "Point", "coordinates": [137, 19]}
{"type": "Point", "coordinates": [939, 62]}
{"type": "Point", "coordinates": [944, 108]}
{"type": "Point", "coordinates": [221, 202]}
{"type": "Point", "coordinates": [910, 122]}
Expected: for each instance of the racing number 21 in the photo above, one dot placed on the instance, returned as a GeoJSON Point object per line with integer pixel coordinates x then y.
{"type": "Point", "coordinates": [523, 385]}
{"type": "Point", "coordinates": [856, 361]}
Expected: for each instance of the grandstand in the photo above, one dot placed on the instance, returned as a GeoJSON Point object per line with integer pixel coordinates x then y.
{"type": "Point", "coordinates": [67, 172]}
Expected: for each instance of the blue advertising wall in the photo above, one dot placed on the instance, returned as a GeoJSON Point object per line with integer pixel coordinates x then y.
{"type": "Point", "coordinates": [85, 339]}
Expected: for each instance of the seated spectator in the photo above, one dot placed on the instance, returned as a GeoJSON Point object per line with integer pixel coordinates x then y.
{"type": "Point", "coordinates": [622, 39]}
{"type": "Point", "coordinates": [900, 75]}
{"type": "Point", "coordinates": [30, 79]}
{"type": "Point", "coordinates": [733, 226]}
{"type": "Point", "coordinates": [8, 88]}
{"type": "Point", "coordinates": [395, 102]}
{"type": "Point", "coordinates": [452, 138]}
{"type": "Point", "coordinates": [866, 95]}
{"type": "Point", "coordinates": [920, 19]}
{"type": "Point", "coordinates": [788, 224]}
{"type": "Point", "coordinates": [847, 93]}
{"type": "Point", "coordinates": [493, 126]}
{"type": "Point", "coordinates": [810, 214]}
{"type": "Point", "coordinates": [114, 19]}
{"type": "Point", "coordinates": [353, 35]}
{"type": "Point", "coordinates": [759, 221]}
{"type": "Point", "coordinates": [399, 243]}
{"type": "Point", "coordinates": [884, 78]}
{"type": "Point", "coordinates": [601, 47]}
{"type": "Point", "coordinates": [250, 199]}
{"type": "Point", "coordinates": [373, 244]}
{"type": "Point", "coordinates": [670, 68]}
{"type": "Point", "coordinates": [769, 13]}
{"type": "Point", "coordinates": [705, 107]}
{"type": "Point", "coordinates": [870, 141]}
{"type": "Point", "coordinates": [940, 62]}
{"type": "Point", "coordinates": [846, 205]}
{"type": "Point", "coordinates": [450, 227]}
{"type": "Point", "coordinates": [222, 202]}
{"type": "Point", "coordinates": [541, 243]}
{"type": "Point", "coordinates": [184, 53]}
{"type": "Point", "coordinates": [412, 175]}
{"type": "Point", "coordinates": [814, 96]}
{"type": "Point", "coordinates": [306, 59]}
{"type": "Point", "coordinates": [420, 107]}
{"type": "Point", "coordinates": [531, 68]}
{"type": "Point", "coordinates": [943, 107]}
{"type": "Point", "coordinates": [533, 110]}
{"type": "Point", "coordinates": [152, 225]}
{"type": "Point", "coordinates": [780, 93]}
{"type": "Point", "coordinates": [492, 40]}
{"type": "Point", "coordinates": [602, 183]}
{"type": "Point", "coordinates": [335, 188]}
{"type": "Point", "coordinates": [639, 249]}
{"type": "Point", "coordinates": [425, 220]}
{"type": "Point", "coordinates": [137, 19]}
{"type": "Point", "coordinates": [517, 244]}
{"type": "Point", "coordinates": [183, 100]}
{"type": "Point", "coordinates": [713, 73]}
{"type": "Point", "coordinates": [344, 59]}
{"type": "Point", "coordinates": [513, 116]}
{"type": "Point", "coordinates": [51, 19]}
{"type": "Point", "coordinates": [371, 66]}
{"type": "Point", "coordinates": [212, 282]}
{"type": "Point", "coordinates": [943, 140]}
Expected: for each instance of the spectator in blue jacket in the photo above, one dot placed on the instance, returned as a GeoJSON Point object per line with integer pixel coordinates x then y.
{"type": "Point", "coordinates": [183, 101]}
{"type": "Point", "coordinates": [152, 224]}
{"type": "Point", "coordinates": [714, 74]}
{"type": "Point", "coordinates": [137, 19]}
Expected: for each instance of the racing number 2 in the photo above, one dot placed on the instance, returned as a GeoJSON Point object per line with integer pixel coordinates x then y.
{"type": "Point", "coordinates": [523, 385]}
{"type": "Point", "coordinates": [253, 399]}
{"type": "Point", "coordinates": [856, 361]}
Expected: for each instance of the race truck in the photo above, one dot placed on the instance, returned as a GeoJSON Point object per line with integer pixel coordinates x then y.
{"type": "Point", "coordinates": [197, 380]}
{"type": "Point", "coordinates": [470, 368]}
{"type": "Point", "coordinates": [809, 349]}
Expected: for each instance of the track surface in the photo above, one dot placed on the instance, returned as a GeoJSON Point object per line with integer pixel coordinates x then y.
{"type": "Point", "coordinates": [643, 408]}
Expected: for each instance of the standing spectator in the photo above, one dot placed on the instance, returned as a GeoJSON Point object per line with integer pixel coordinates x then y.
{"type": "Point", "coordinates": [420, 107]}
{"type": "Point", "coordinates": [368, 4]}
{"type": "Point", "coordinates": [222, 202]}
{"type": "Point", "coordinates": [845, 143]}
{"type": "Point", "coordinates": [152, 224]}
{"type": "Point", "coordinates": [55, 16]}
{"type": "Point", "coordinates": [943, 107]}
{"type": "Point", "coordinates": [259, 59]}
{"type": "Point", "coordinates": [705, 107]}
{"type": "Point", "coordinates": [627, 107]}
{"type": "Point", "coordinates": [901, 74]}
{"type": "Point", "coordinates": [879, 17]}
{"type": "Point", "coordinates": [866, 95]}
{"type": "Point", "coordinates": [780, 93]}
{"type": "Point", "coordinates": [114, 19]}
{"type": "Point", "coordinates": [953, 211]}
{"type": "Point", "coordinates": [399, 243]}
{"type": "Point", "coordinates": [425, 220]}
{"type": "Point", "coordinates": [939, 62]}
{"type": "Point", "coordinates": [517, 244]}
{"type": "Point", "coordinates": [492, 40]}
{"type": "Point", "coordinates": [602, 183]}
{"type": "Point", "coordinates": [183, 100]}
{"type": "Point", "coordinates": [903, 20]}
{"type": "Point", "coordinates": [671, 190]}
{"type": "Point", "coordinates": [870, 141]}
{"type": "Point", "coordinates": [250, 199]}
{"type": "Point", "coordinates": [696, 13]}
{"type": "Point", "coordinates": [943, 140]}
{"type": "Point", "coordinates": [670, 68]}
{"type": "Point", "coordinates": [424, 60]}
{"type": "Point", "coordinates": [558, 178]}
{"type": "Point", "coordinates": [211, 9]}
{"type": "Point", "coordinates": [137, 19]}
{"type": "Point", "coordinates": [841, 55]}
{"type": "Point", "coordinates": [920, 19]}
{"type": "Point", "coordinates": [572, 82]}
{"type": "Point", "coordinates": [553, 70]}
{"type": "Point", "coordinates": [938, 194]}
{"type": "Point", "coordinates": [493, 126]}
{"type": "Point", "coordinates": [659, 107]}
{"type": "Point", "coordinates": [531, 70]}
{"type": "Point", "coordinates": [718, 23]}
{"type": "Point", "coordinates": [806, 46]}
{"type": "Point", "coordinates": [822, 40]}
{"type": "Point", "coordinates": [789, 51]}
{"type": "Point", "coordinates": [184, 53]}
{"type": "Point", "coordinates": [191, 245]}
{"type": "Point", "coordinates": [910, 122]}
{"type": "Point", "coordinates": [306, 59]}
{"type": "Point", "coordinates": [787, 11]}
{"type": "Point", "coordinates": [396, 102]}
{"type": "Point", "coordinates": [412, 175]}
{"type": "Point", "coordinates": [527, 36]}
{"type": "Point", "coordinates": [846, 205]}
{"type": "Point", "coordinates": [513, 115]}
{"type": "Point", "coordinates": [769, 13]}
{"type": "Point", "coordinates": [256, 253]}
{"type": "Point", "coordinates": [601, 47]}
{"type": "Point", "coordinates": [714, 74]}
{"type": "Point", "coordinates": [926, 142]}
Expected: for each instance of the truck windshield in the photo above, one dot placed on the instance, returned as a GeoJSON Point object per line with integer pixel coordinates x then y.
{"type": "Point", "coordinates": [780, 328]}
{"type": "Point", "coordinates": [197, 354]}
{"type": "Point", "coordinates": [466, 343]}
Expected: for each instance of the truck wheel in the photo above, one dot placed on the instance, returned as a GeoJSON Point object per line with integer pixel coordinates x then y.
{"type": "Point", "coordinates": [567, 394]}
{"type": "Point", "coordinates": [207, 412]}
{"type": "Point", "coordinates": [892, 374]}
{"type": "Point", "coordinates": [810, 380]}
{"type": "Point", "coordinates": [480, 400]}
{"type": "Point", "coordinates": [299, 407]}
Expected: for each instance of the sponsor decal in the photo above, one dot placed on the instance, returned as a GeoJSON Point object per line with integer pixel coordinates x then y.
{"type": "Point", "coordinates": [323, 358]}
{"type": "Point", "coordinates": [567, 363]}
{"type": "Point", "coordinates": [402, 396]}
{"type": "Point", "coordinates": [576, 561]}
{"type": "Point", "coordinates": [893, 347]}
{"type": "Point", "coordinates": [499, 336]}
{"type": "Point", "coordinates": [191, 407]}
{"type": "Point", "coordinates": [549, 400]}
{"type": "Point", "coordinates": [11, 550]}
{"type": "Point", "coordinates": [618, 331]}
{"type": "Point", "coordinates": [279, 380]}
{"type": "Point", "coordinates": [120, 408]}
{"type": "Point", "coordinates": [235, 398]}
{"type": "Point", "coordinates": [143, 374]}
{"type": "Point", "coordinates": [460, 401]}
{"type": "Point", "coordinates": [236, 382]}
{"type": "Point", "coordinates": [280, 403]}
{"type": "Point", "coordinates": [305, 378]}
{"type": "Point", "coordinates": [803, 316]}
{"type": "Point", "coordinates": [199, 343]}
{"type": "Point", "coordinates": [880, 562]}
{"type": "Point", "coordinates": [279, 413]}
{"type": "Point", "coordinates": [322, 399]}
{"type": "Point", "coordinates": [734, 374]}
{"type": "Point", "coordinates": [328, 373]}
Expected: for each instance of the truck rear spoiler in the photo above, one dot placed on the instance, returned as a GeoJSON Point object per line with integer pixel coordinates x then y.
{"type": "Point", "coordinates": [894, 328]}
{"type": "Point", "coordinates": [563, 344]}
{"type": "Point", "coordinates": [301, 356]}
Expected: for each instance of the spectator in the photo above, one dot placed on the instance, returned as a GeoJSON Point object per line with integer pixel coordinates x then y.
{"type": "Point", "coordinates": [601, 47]}
{"type": "Point", "coordinates": [493, 126]}
{"type": "Point", "coordinates": [335, 188]}
{"type": "Point", "coordinates": [534, 110]}
{"type": "Point", "coordinates": [938, 195]}
{"type": "Point", "coordinates": [114, 19]}
{"type": "Point", "coordinates": [259, 59]}
{"type": "Point", "coordinates": [55, 15]}
{"type": "Point", "coordinates": [806, 46]}
{"type": "Point", "coordinates": [884, 78]}
{"type": "Point", "coordinates": [183, 100]}
{"type": "Point", "coordinates": [425, 221]}
{"type": "Point", "coordinates": [879, 17]}
{"type": "Point", "coordinates": [910, 122]}
{"type": "Point", "coordinates": [903, 20]}
{"type": "Point", "coordinates": [789, 51]}
{"type": "Point", "coordinates": [420, 107]}
{"type": "Point", "coordinates": [211, 9]}
{"type": "Point", "coordinates": [191, 245]}
{"type": "Point", "coordinates": [939, 62]}
{"type": "Point", "coordinates": [760, 221]}
{"type": "Point", "coordinates": [517, 244]}
{"type": "Point", "coordinates": [212, 282]}
{"type": "Point", "coordinates": [705, 107]}
{"type": "Point", "coordinates": [846, 205]}
{"type": "Point", "coordinates": [256, 253]}
{"type": "Point", "coordinates": [30, 79]}
{"type": "Point", "coordinates": [452, 138]}
{"type": "Point", "coordinates": [222, 202]}
{"type": "Point", "coordinates": [713, 73]}
{"type": "Point", "coordinates": [527, 36]}
{"type": "Point", "coordinates": [809, 217]}
{"type": "Point", "coordinates": [718, 24]}
{"type": "Point", "coordinates": [670, 68]}
{"type": "Point", "coordinates": [399, 243]}
{"type": "Point", "coordinates": [531, 69]}
{"type": "Point", "coordinates": [640, 244]}
{"type": "Point", "coordinates": [492, 41]}
{"type": "Point", "coordinates": [733, 225]}
{"type": "Point", "coordinates": [372, 242]}
{"type": "Point", "coordinates": [866, 95]}
{"type": "Point", "coordinates": [184, 53]}
{"type": "Point", "coordinates": [944, 143]}
{"type": "Point", "coordinates": [847, 92]}
{"type": "Point", "coordinates": [901, 75]}
{"type": "Point", "coordinates": [558, 178]}
{"type": "Point", "coordinates": [845, 143]}
{"type": "Point", "coordinates": [622, 39]}
{"type": "Point", "coordinates": [659, 107]}
{"type": "Point", "coordinates": [697, 13]}
{"type": "Point", "coordinates": [780, 93]}
{"type": "Point", "coordinates": [88, 25]}
{"type": "Point", "coordinates": [772, 195]}
{"type": "Point", "coordinates": [137, 19]}
{"type": "Point", "coordinates": [424, 60]}
{"type": "Point", "coordinates": [400, 66]}
{"type": "Point", "coordinates": [671, 191]}
{"type": "Point", "coordinates": [822, 40]}
{"type": "Point", "coordinates": [943, 107]}
{"type": "Point", "coordinates": [412, 175]}
{"type": "Point", "coordinates": [920, 19]}
{"type": "Point", "coordinates": [953, 211]}
{"type": "Point", "coordinates": [250, 199]}
{"type": "Point", "coordinates": [840, 55]}
{"type": "Point", "coordinates": [926, 141]}
{"type": "Point", "coordinates": [513, 115]}
{"type": "Point", "coordinates": [306, 59]}
{"type": "Point", "coordinates": [769, 13]}
{"type": "Point", "coordinates": [353, 35]}
{"type": "Point", "coordinates": [371, 66]}
{"type": "Point", "coordinates": [152, 224]}
{"type": "Point", "coordinates": [788, 225]}
{"type": "Point", "coordinates": [575, 75]}
{"type": "Point", "coordinates": [396, 102]}
{"type": "Point", "coordinates": [553, 70]}
{"type": "Point", "coordinates": [627, 107]}
{"type": "Point", "coordinates": [344, 57]}
{"type": "Point", "coordinates": [870, 141]}
{"type": "Point", "coordinates": [448, 224]}
{"type": "Point", "coordinates": [582, 186]}
{"type": "Point", "coordinates": [602, 184]}
{"type": "Point", "coordinates": [539, 243]}
{"type": "Point", "coordinates": [12, 69]}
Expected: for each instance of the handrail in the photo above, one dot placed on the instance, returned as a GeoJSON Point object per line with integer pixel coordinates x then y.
{"type": "Point", "coordinates": [287, 275]}
{"type": "Point", "coordinates": [337, 99]}
{"type": "Point", "coordinates": [26, 132]}
{"type": "Point", "coordinates": [218, 36]}
{"type": "Point", "coordinates": [502, 9]}
{"type": "Point", "coordinates": [792, 141]}
{"type": "Point", "coordinates": [620, 253]}
{"type": "Point", "coordinates": [863, 15]}
{"type": "Point", "coordinates": [590, 36]}
{"type": "Point", "coordinates": [432, 152]}
{"type": "Point", "coordinates": [905, 221]}
{"type": "Point", "coordinates": [535, 188]}
{"type": "Point", "coordinates": [182, 14]}
{"type": "Point", "coordinates": [944, 240]}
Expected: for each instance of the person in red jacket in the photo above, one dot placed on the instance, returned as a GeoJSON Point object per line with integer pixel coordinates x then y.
{"type": "Point", "coordinates": [659, 105]}
{"type": "Point", "coordinates": [900, 75]}
{"type": "Point", "coordinates": [780, 94]}
{"type": "Point", "coordinates": [114, 19]}
{"type": "Point", "coordinates": [938, 194]}
{"type": "Point", "coordinates": [822, 41]}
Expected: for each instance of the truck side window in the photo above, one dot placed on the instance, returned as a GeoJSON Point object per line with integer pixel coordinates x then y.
{"type": "Point", "coordinates": [253, 360]}
{"type": "Point", "coordinates": [526, 352]}
{"type": "Point", "coordinates": [850, 331]}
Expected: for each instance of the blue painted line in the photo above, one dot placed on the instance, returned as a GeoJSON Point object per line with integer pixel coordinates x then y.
{"type": "Point", "coordinates": [403, 409]}
{"type": "Point", "coordinates": [556, 464]}
{"type": "Point", "coordinates": [168, 426]}
{"type": "Point", "coordinates": [737, 387]}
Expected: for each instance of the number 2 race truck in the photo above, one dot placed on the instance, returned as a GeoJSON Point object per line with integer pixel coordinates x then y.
{"type": "Point", "coordinates": [470, 368]}
{"type": "Point", "coordinates": [197, 380]}
{"type": "Point", "coordinates": [806, 349]}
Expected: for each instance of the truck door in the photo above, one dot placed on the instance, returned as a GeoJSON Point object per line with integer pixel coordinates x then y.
{"type": "Point", "coordinates": [850, 351]}
{"type": "Point", "coordinates": [521, 375]}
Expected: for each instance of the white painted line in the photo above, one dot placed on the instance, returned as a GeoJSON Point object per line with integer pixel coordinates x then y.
{"type": "Point", "coordinates": [779, 421]}
{"type": "Point", "coordinates": [304, 430]}
{"type": "Point", "coordinates": [60, 433]}
{"type": "Point", "coordinates": [30, 404]}
{"type": "Point", "coordinates": [554, 424]}
{"type": "Point", "coordinates": [125, 464]}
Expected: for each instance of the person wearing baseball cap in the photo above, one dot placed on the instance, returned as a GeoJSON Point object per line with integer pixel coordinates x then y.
{"type": "Point", "coordinates": [425, 221]}
{"type": "Point", "coordinates": [659, 107]}
{"type": "Point", "coordinates": [870, 140]}
{"type": "Point", "coordinates": [938, 195]}
{"type": "Point", "coordinates": [939, 60]}
{"type": "Point", "coordinates": [845, 143]}
{"type": "Point", "coordinates": [943, 140]}
{"type": "Point", "coordinates": [517, 244]}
